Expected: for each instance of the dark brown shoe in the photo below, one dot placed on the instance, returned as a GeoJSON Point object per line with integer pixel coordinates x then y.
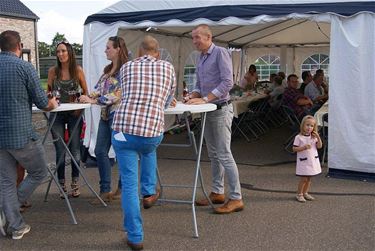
{"type": "Point", "coordinates": [106, 197]}
{"type": "Point", "coordinates": [135, 246]}
{"type": "Point", "coordinates": [230, 207]}
{"type": "Point", "coordinates": [25, 206]}
{"type": "Point", "coordinates": [150, 201]}
{"type": "Point", "coordinates": [214, 197]}
{"type": "Point", "coordinates": [117, 194]}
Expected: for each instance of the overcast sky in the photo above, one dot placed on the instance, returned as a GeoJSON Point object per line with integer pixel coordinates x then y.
{"type": "Point", "coordinates": [64, 16]}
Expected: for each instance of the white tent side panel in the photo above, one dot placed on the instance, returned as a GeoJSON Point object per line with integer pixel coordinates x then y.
{"type": "Point", "coordinates": [95, 37]}
{"type": "Point", "coordinates": [352, 89]}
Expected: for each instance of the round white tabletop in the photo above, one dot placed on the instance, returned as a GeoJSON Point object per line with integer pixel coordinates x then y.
{"type": "Point", "coordinates": [180, 108]}
{"type": "Point", "coordinates": [66, 107]}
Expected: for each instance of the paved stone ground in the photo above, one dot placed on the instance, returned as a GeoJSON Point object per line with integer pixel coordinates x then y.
{"type": "Point", "coordinates": [342, 217]}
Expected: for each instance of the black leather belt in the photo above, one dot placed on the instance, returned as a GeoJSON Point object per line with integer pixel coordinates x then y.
{"type": "Point", "coordinates": [220, 105]}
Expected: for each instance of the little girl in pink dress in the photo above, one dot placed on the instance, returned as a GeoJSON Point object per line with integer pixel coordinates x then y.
{"type": "Point", "coordinates": [306, 144]}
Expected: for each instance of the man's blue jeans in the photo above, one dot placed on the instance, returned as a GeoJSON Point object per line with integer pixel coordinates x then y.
{"type": "Point", "coordinates": [103, 144]}
{"type": "Point", "coordinates": [130, 148]}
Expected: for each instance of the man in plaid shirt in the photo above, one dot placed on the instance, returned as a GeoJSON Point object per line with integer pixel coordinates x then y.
{"type": "Point", "coordinates": [147, 85]}
{"type": "Point", "coordinates": [19, 88]}
{"type": "Point", "coordinates": [294, 99]}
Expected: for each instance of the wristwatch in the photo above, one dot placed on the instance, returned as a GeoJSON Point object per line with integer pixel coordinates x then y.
{"type": "Point", "coordinates": [205, 99]}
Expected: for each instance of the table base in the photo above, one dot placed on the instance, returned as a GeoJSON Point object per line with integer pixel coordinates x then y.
{"type": "Point", "coordinates": [197, 175]}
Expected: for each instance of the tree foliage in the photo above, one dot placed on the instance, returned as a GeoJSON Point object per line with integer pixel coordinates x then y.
{"type": "Point", "coordinates": [58, 38]}
{"type": "Point", "coordinates": [46, 50]}
{"type": "Point", "coordinates": [77, 48]}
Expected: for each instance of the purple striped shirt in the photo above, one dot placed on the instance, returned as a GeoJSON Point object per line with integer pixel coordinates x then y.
{"type": "Point", "coordinates": [215, 73]}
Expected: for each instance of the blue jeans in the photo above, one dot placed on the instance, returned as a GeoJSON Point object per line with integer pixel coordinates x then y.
{"type": "Point", "coordinates": [217, 134]}
{"type": "Point", "coordinates": [103, 144]}
{"type": "Point", "coordinates": [128, 150]}
{"type": "Point", "coordinates": [32, 157]}
{"type": "Point", "coordinates": [58, 129]}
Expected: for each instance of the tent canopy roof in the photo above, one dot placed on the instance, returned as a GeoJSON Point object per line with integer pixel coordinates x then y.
{"type": "Point", "coordinates": [278, 23]}
{"type": "Point", "coordinates": [215, 10]}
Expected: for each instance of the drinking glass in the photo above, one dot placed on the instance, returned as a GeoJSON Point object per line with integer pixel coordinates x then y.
{"type": "Point", "coordinates": [78, 94]}
{"type": "Point", "coordinates": [57, 95]}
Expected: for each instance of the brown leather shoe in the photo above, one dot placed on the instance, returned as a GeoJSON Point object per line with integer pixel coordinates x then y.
{"type": "Point", "coordinates": [116, 195]}
{"type": "Point", "coordinates": [150, 201]}
{"type": "Point", "coordinates": [106, 197]}
{"type": "Point", "coordinates": [230, 207]}
{"type": "Point", "coordinates": [135, 246]}
{"type": "Point", "coordinates": [214, 197]}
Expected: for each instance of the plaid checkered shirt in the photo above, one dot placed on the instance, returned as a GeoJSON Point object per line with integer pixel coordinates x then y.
{"type": "Point", "coordinates": [146, 85]}
{"type": "Point", "coordinates": [290, 98]}
{"type": "Point", "coordinates": [19, 88]}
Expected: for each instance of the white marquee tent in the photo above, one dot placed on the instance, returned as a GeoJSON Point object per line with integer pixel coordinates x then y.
{"type": "Point", "coordinates": [291, 29]}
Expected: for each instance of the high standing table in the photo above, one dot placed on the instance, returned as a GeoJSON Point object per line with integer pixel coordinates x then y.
{"type": "Point", "coordinates": [186, 110]}
{"type": "Point", "coordinates": [63, 108]}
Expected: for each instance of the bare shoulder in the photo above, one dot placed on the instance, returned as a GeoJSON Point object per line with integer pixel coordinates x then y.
{"type": "Point", "coordinates": [81, 73]}
{"type": "Point", "coordinates": [52, 70]}
{"type": "Point", "coordinates": [79, 69]}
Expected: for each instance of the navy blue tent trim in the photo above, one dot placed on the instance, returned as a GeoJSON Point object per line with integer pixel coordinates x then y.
{"type": "Point", "coordinates": [216, 13]}
{"type": "Point", "coordinates": [352, 175]}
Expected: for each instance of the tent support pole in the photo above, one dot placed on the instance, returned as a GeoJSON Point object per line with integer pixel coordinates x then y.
{"type": "Point", "coordinates": [243, 52]}
{"type": "Point", "coordinates": [179, 63]}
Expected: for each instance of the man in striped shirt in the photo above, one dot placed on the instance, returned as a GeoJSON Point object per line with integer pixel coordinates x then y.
{"type": "Point", "coordinates": [148, 86]}
{"type": "Point", "coordinates": [214, 80]}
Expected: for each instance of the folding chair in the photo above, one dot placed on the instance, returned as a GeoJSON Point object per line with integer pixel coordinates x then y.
{"type": "Point", "coordinates": [294, 124]}
{"type": "Point", "coordinates": [275, 113]}
{"type": "Point", "coordinates": [253, 120]}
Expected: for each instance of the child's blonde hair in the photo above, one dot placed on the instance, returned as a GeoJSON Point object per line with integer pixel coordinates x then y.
{"type": "Point", "coordinates": [303, 122]}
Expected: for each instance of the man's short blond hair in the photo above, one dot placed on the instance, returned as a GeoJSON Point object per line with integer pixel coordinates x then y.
{"type": "Point", "coordinates": [204, 29]}
{"type": "Point", "coordinates": [150, 44]}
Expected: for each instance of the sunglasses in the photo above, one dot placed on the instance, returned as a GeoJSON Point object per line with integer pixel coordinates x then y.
{"type": "Point", "coordinates": [65, 42]}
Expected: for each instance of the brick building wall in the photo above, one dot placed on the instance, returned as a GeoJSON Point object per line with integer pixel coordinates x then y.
{"type": "Point", "coordinates": [27, 32]}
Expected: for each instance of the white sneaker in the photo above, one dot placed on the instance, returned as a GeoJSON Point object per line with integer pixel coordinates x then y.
{"type": "Point", "coordinates": [300, 198]}
{"type": "Point", "coordinates": [3, 221]}
{"type": "Point", "coordinates": [308, 197]}
{"type": "Point", "coordinates": [17, 235]}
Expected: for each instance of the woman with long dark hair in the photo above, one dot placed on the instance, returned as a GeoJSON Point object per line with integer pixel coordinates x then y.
{"type": "Point", "coordinates": [67, 78]}
{"type": "Point", "coordinates": [107, 94]}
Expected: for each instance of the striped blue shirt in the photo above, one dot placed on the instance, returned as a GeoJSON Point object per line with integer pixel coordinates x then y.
{"type": "Point", "coordinates": [215, 73]}
{"type": "Point", "coordinates": [19, 88]}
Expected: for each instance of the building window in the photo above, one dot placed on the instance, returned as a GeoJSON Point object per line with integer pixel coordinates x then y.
{"type": "Point", "coordinates": [267, 65]}
{"type": "Point", "coordinates": [315, 62]}
{"type": "Point", "coordinates": [26, 55]}
{"type": "Point", "coordinates": [190, 76]}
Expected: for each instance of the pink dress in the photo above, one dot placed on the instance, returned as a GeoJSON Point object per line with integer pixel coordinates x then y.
{"type": "Point", "coordinates": [308, 163]}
